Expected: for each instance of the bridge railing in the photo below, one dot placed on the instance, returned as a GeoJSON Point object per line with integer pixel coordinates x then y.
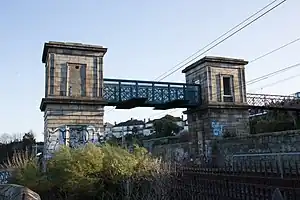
{"type": "Point", "coordinates": [116, 90]}
{"type": "Point", "coordinates": [267, 100]}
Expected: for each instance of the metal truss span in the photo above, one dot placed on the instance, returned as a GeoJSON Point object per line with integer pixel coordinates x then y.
{"type": "Point", "coordinates": [286, 102]}
{"type": "Point", "coordinates": [160, 95]}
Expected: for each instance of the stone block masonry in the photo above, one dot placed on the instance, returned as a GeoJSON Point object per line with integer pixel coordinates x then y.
{"type": "Point", "coordinates": [73, 70]}
{"type": "Point", "coordinates": [73, 105]}
{"type": "Point", "coordinates": [266, 146]}
{"type": "Point", "coordinates": [224, 108]}
{"type": "Point", "coordinates": [246, 150]}
{"type": "Point", "coordinates": [60, 115]}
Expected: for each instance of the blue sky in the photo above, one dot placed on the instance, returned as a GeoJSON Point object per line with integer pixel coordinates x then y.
{"type": "Point", "coordinates": [144, 39]}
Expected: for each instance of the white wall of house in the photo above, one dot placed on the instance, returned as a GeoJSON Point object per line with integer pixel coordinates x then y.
{"type": "Point", "coordinates": [145, 129]}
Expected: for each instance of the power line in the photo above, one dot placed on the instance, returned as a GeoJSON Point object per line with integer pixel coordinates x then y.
{"type": "Point", "coordinates": [258, 79]}
{"type": "Point", "coordinates": [276, 82]}
{"type": "Point", "coordinates": [242, 22]}
{"type": "Point", "coordinates": [253, 60]}
{"type": "Point", "coordinates": [232, 34]}
{"type": "Point", "coordinates": [112, 109]}
{"type": "Point", "coordinates": [264, 77]}
{"type": "Point", "coordinates": [273, 51]}
{"type": "Point", "coordinates": [273, 73]}
{"type": "Point", "coordinates": [255, 80]}
{"type": "Point", "coordinates": [266, 54]}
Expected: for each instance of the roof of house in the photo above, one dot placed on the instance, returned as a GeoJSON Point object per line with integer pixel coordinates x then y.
{"type": "Point", "coordinates": [131, 122]}
{"type": "Point", "coordinates": [107, 124]}
{"type": "Point", "coordinates": [167, 117]}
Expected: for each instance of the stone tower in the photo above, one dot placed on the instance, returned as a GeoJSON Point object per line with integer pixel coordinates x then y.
{"type": "Point", "coordinates": [73, 106]}
{"type": "Point", "coordinates": [224, 109]}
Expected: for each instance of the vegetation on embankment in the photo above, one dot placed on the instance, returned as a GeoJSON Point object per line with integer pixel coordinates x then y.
{"type": "Point", "coordinates": [91, 170]}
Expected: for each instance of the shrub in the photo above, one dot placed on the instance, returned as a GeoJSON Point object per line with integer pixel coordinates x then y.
{"type": "Point", "coordinates": [90, 169]}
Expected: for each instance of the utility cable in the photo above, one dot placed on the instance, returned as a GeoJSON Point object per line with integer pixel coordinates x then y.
{"type": "Point", "coordinates": [253, 60]}
{"type": "Point", "coordinates": [277, 82]}
{"type": "Point", "coordinates": [226, 34]}
{"type": "Point", "coordinates": [258, 79]}
{"type": "Point", "coordinates": [266, 54]}
{"type": "Point", "coordinates": [273, 51]}
{"type": "Point", "coordinates": [242, 22]}
{"type": "Point", "coordinates": [229, 36]}
{"type": "Point", "coordinates": [264, 77]}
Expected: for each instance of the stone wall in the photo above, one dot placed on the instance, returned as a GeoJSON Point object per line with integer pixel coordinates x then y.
{"type": "Point", "coordinates": [223, 110]}
{"type": "Point", "coordinates": [276, 142]}
{"type": "Point", "coordinates": [73, 105]}
{"type": "Point", "coordinates": [63, 61]}
{"type": "Point", "coordinates": [209, 71]}
{"type": "Point", "coordinates": [173, 152]}
{"type": "Point", "coordinates": [58, 117]}
{"type": "Point", "coordinates": [223, 149]}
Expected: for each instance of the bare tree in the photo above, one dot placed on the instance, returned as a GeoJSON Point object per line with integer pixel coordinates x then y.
{"type": "Point", "coordinates": [16, 137]}
{"type": "Point", "coordinates": [5, 138]}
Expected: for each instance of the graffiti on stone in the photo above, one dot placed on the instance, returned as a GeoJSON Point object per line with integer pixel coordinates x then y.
{"type": "Point", "coordinates": [180, 154]}
{"type": "Point", "coordinates": [217, 128]}
{"type": "Point", "coordinates": [72, 136]}
{"type": "Point", "coordinates": [81, 135]}
{"type": "Point", "coordinates": [4, 176]}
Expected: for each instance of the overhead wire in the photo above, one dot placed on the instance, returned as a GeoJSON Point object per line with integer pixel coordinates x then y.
{"type": "Point", "coordinates": [252, 21]}
{"type": "Point", "coordinates": [229, 36]}
{"type": "Point", "coordinates": [277, 82]}
{"type": "Point", "coordinates": [252, 61]}
{"type": "Point", "coordinates": [231, 29]}
{"type": "Point", "coordinates": [258, 79]}
{"type": "Point", "coordinates": [266, 76]}
{"type": "Point", "coordinates": [275, 50]}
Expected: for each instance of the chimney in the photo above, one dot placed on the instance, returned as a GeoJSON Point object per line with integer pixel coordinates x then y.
{"type": "Point", "coordinates": [148, 119]}
{"type": "Point", "coordinates": [144, 120]}
{"type": "Point", "coordinates": [131, 119]}
{"type": "Point", "coordinates": [115, 123]}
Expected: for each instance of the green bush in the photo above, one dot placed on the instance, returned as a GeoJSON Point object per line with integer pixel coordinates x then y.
{"type": "Point", "coordinates": [88, 169]}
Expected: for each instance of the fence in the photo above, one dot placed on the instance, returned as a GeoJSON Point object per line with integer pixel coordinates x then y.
{"type": "Point", "coordinates": [236, 184]}
{"type": "Point", "coordinates": [240, 181]}
{"type": "Point", "coordinates": [275, 161]}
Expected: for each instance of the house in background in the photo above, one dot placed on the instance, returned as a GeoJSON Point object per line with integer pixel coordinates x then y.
{"type": "Point", "coordinates": [132, 126]}
{"type": "Point", "coordinates": [140, 127]}
{"type": "Point", "coordinates": [108, 132]}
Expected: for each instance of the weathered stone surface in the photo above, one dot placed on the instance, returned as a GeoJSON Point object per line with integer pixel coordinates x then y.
{"type": "Point", "coordinates": [17, 192]}
{"type": "Point", "coordinates": [217, 117]}
{"type": "Point", "coordinates": [277, 195]}
{"type": "Point", "coordinates": [73, 99]}
{"type": "Point", "coordinates": [71, 69]}
{"type": "Point", "coordinates": [274, 142]}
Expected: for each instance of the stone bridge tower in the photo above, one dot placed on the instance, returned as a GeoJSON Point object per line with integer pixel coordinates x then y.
{"type": "Point", "coordinates": [224, 109]}
{"type": "Point", "coordinates": [73, 106]}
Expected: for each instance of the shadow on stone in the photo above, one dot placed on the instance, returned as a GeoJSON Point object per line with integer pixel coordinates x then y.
{"type": "Point", "coordinates": [277, 195]}
{"type": "Point", "coordinates": [17, 192]}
